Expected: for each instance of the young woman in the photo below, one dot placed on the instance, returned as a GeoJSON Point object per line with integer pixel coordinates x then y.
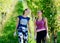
{"type": "Point", "coordinates": [23, 26]}
{"type": "Point", "coordinates": [41, 28]}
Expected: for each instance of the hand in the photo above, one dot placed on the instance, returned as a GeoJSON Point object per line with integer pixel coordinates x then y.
{"type": "Point", "coordinates": [35, 37]}
{"type": "Point", "coordinates": [14, 33]}
{"type": "Point", "coordinates": [48, 36]}
{"type": "Point", "coordinates": [30, 35]}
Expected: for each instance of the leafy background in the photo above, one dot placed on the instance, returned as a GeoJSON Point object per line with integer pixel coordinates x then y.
{"type": "Point", "coordinates": [12, 8]}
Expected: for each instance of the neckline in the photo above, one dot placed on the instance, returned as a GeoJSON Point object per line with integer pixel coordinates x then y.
{"type": "Point", "coordinates": [40, 20]}
{"type": "Point", "coordinates": [24, 17]}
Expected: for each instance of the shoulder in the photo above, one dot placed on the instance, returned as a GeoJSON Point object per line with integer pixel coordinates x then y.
{"type": "Point", "coordinates": [19, 16]}
{"type": "Point", "coordinates": [28, 18]}
{"type": "Point", "coordinates": [45, 19]}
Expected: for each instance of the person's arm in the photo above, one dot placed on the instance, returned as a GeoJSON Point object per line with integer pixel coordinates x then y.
{"type": "Point", "coordinates": [16, 26]}
{"type": "Point", "coordinates": [46, 24]}
{"type": "Point", "coordinates": [29, 27]}
{"type": "Point", "coordinates": [35, 33]}
{"type": "Point", "coordinates": [16, 23]}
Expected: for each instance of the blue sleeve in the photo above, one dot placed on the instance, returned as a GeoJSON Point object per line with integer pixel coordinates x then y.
{"type": "Point", "coordinates": [28, 18]}
{"type": "Point", "coordinates": [19, 17]}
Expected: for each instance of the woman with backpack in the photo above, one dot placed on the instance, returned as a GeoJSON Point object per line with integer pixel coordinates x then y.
{"type": "Point", "coordinates": [41, 28]}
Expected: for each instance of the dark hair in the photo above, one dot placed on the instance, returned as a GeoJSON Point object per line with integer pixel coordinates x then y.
{"type": "Point", "coordinates": [24, 11]}
{"type": "Point", "coordinates": [40, 10]}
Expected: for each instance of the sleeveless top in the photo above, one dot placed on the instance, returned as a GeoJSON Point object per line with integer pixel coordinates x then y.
{"type": "Point", "coordinates": [40, 24]}
{"type": "Point", "coordinates": [23, 21]}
